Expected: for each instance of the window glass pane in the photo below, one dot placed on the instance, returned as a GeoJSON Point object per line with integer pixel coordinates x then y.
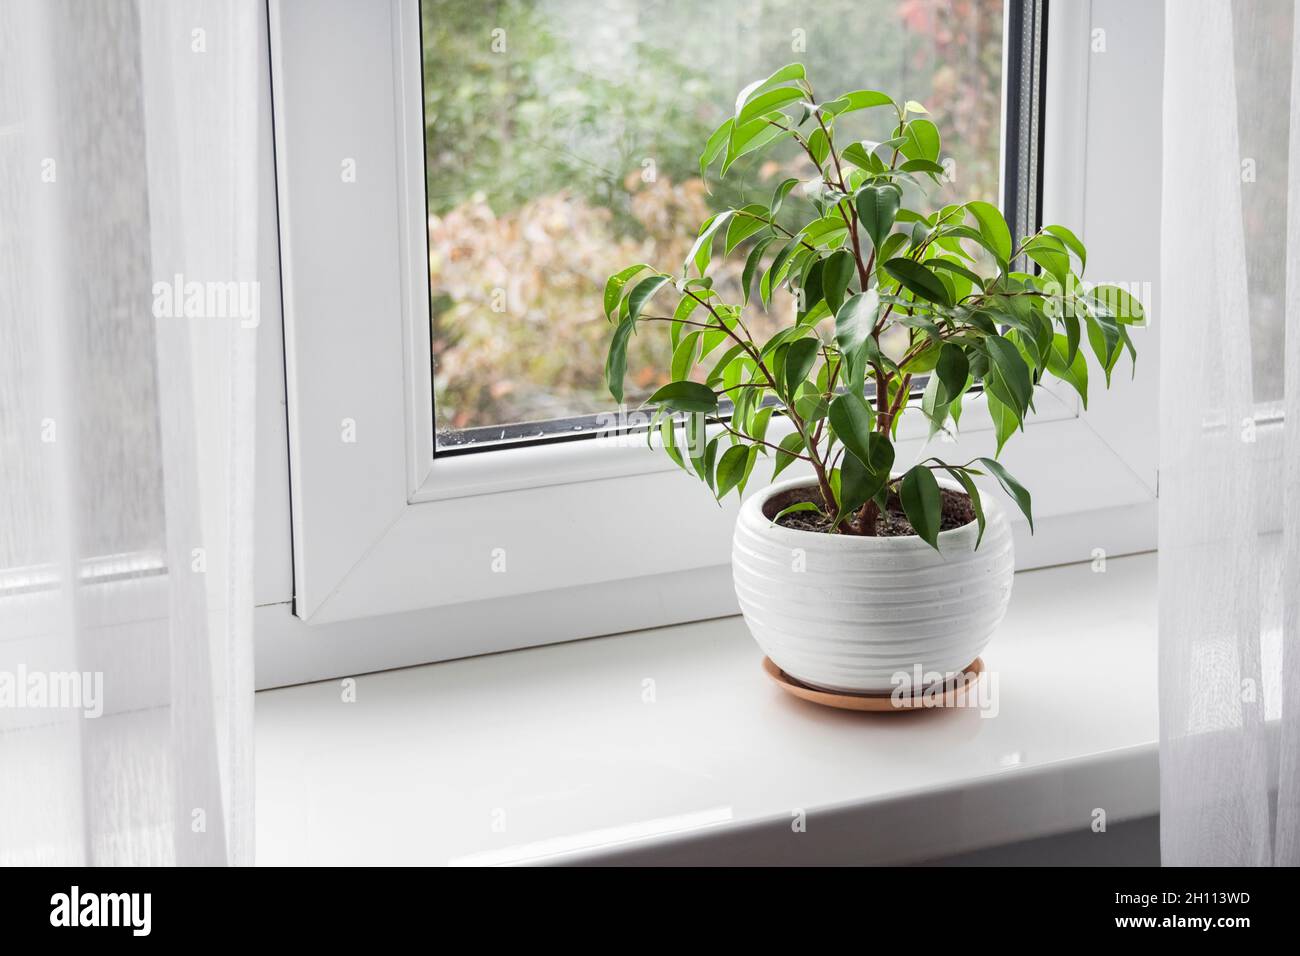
{"type": "Point", "coordinates": [563, 138]}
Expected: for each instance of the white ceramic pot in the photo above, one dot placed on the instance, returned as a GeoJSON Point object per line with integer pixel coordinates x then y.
{"type": "Point", "coordinates": [848, 613]}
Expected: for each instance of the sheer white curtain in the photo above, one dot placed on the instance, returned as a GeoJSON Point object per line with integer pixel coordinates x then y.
{"type": "Point", "coordinates": [1230, 453]}
{"type": "Point", "coordinates": [128, 158]}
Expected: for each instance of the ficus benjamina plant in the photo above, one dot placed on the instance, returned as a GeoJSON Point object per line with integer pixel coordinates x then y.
{"type": "Point", "coordinates": [863, 265]}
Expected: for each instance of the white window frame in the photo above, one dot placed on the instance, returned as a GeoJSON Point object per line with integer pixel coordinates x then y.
{"type": "Point", "coordinates": [597, 539]}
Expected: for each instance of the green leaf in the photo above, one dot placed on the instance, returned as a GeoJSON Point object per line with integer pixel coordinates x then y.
{"type": "Point", "coordinates": [642, 293]}
{"type": "Point", "coordinates": [819, 145]}
{"type": "Point", "coordinates": [614, 285]}
{"type": "Point", "coordinates": [706, 464]}
{"type": "Point", "coordinates": [921, 140]}
{"type": "Point", "coordinates": [1128, 345]}
{"type": "Point", "coordinates": [1011, 366]}
{"type": "Point", "coordinates": [903, 403]}
{"type": "Point", "coordinates": [668, 431]}
{"type": "Point", "coordinates": [750, 461]}
{"type": "Point", "coordinates": [717, 139]}
{"type": "Point", "coordinates": [1074, 372]}
{"type": "Point", "coordinates": [1104, 337]}
{"type": "Point", "coordinates": [972, 491]}
{"type": "Point", "coordinates": [918, 320]}
{"type": "Point", "coordinates": [1071, 323]}
{"type": "Point", "coordinates": [918, 280]}
{"type": "Point", "coordinates": [731, 469]}
{"type": "Point", "coordinates": [973, 281]}
{"type": "Point", "coordinates": [702, 250]}
{"type": "Point", "coordinates": [825, 230]}
{"type": "Point", "coordinates": [752, 136]}
{"type": "Point", "coordinates": [719, 368]}
{"type": "Point", "coordinates": [779, 339]}
{"type": "Point", "coordinates": [1072, 243]}
{"type": "Point", "coordinates": [921, 166]}
{"type": "Point", "coordinates": [752, 262]}
{"type": "Point", "coordinates": [857, 154]}
{"type": "Point", "coordinates": [1049, 253]}
{"type": "Point", "coordinates": [893, 244]}
{"type": "Point", "coordinates": [810, 404]}
{"type": "Point", "coordinates": [926, 359]}
{"type": "Point", "coordinates": [837, 273]}
{"type": "Point", "coordinates": [794, 509]}
{"type": "Point", "coordinates": [758, 429]}
{"type": "Point", "coordinates": [950, 233]}
{"type": "Point", "coordinates": [686, 305]}
{"type": "Point", "coordinates": [745, 223]}
{"type": "Point", "coordinates": [815, 314]}
{"type": "Point", "coordinates": [1005, 419]}
{"type": "Point", "coordinates": [696, 444]}
{"type": "Point", "coordinates": [1039, 336]}
{"type": "Point", "coordinates": [791, 71]}
{"type": "Point", "coordinates": [857, 100]}
{"type": "Point", "coordinates": [922, 503]}
{"type": "Point", "coordinates": [1012, 487]}
{"type": "Point", "coordinates": [788, 447]}
{"type": "Point", "coordinates": [773, 99]}
{"type": "Point", "coordinates": [616, 360]}
{"type": "Point", "coordinates": [1034, 354]}
{"type": "Point", "coordinates": [685, 397]}
{"type": "Point", "coordinates": [1115, 303]}
{"type": "Point", "coordinates": [992, 227]}
{"type": "Point", "coordinates": [855, 320]}
{"type": "Point", "coordinates": [799, 362]}
{"type": "Point", "coordinates": [810, 286]}
{"type": "Point", "coordinates": [935, 411]}
{"type": "Point", "coordinates": [743, 406]}
{"type": "Point", "coordinates": [877, 207]}
{"type": "Point", "coordinates": [701, 451]}
{"type": "Point", "coordinates": [710, 339]}
{"type": "Point", "coordinates": [684, 355]}
{"type": "Point", "coordinates": [954, 406]}
{"type": "Point", "coordinates": [951, 369]}
{"type": "Point", "coordinates": [880, 452]}
{"type": "Point", "coordinates": [857, 484]}
{"type": "Point", "coordinates": [778, 196]}
{"type": "Point", "coordinates": [853, 420]}
{"type": "Point", "coordinates": [772, 276]}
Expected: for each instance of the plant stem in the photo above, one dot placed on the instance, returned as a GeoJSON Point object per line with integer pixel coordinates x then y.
{"type": "Point", "coordinates": [819, 466]}
{"type": "Point", "coordinates": [896, 405]}
{"type": "Point", "coordinates": [867, 518]}
{"type": "Point", "coordinates": [740, 434]}
{"type": "Point", "coordinates": [775, 225]}
{"type": "Point", "coordinates": [870, 511]}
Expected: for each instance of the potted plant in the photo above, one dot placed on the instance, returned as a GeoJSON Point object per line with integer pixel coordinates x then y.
{"type": "Point", "coordinates": [867, 566]}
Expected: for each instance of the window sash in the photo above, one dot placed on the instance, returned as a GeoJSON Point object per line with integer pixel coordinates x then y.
{"type": "Point", "coordinates": [382, 527]}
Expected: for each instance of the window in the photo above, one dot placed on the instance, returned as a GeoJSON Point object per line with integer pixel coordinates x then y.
{"type": "Point", "coordinates": [538, 539]}
{"type": "Point", "coordinates": [561, 143]}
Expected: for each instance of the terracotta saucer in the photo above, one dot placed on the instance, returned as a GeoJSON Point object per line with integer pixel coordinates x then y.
{"type": "Point", "coordinates": [879, 703]}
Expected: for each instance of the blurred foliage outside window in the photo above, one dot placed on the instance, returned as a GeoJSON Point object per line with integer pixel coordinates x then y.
{"type": "Point", "coordinates": [562, 142]}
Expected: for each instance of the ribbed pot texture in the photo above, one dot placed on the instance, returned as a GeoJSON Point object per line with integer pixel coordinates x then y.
{"type": "Point", "coordinates": [848, 613]}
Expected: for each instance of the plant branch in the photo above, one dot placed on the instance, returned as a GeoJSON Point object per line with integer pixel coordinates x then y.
{"type": "Point", "coordinates": [775, 225]}
{"type": "Point", "coordinates": [759, 441]}
{"type": "Point", "coordinates": [823, 479]}
{"type": "Point", "coordinates": [669, 318]}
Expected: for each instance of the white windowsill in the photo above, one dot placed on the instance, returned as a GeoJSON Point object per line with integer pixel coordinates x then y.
{"type": "Point", "coordinates": [550, 754]}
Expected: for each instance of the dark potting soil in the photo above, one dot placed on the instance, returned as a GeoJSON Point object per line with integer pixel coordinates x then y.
{"type": "Point", "coordinates": [893, 523]}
